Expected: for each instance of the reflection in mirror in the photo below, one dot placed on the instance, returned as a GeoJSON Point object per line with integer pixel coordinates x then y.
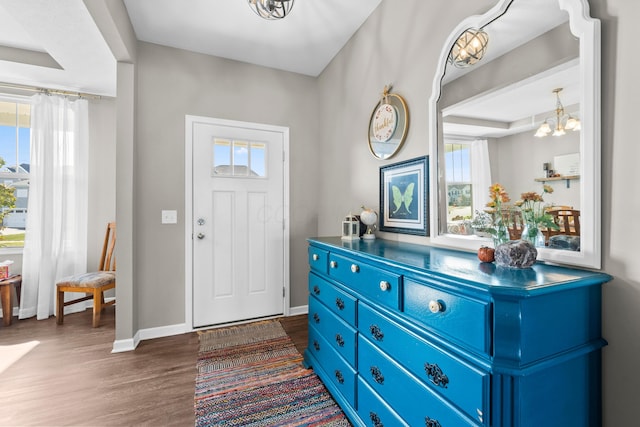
{"type": "Point", "coordinates": [541, 68]}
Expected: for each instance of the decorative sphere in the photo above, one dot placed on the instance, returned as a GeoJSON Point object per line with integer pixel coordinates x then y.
{"type": "Point", "coordinates": [369, 217]}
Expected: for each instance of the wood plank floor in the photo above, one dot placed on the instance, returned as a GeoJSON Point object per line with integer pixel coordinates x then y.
{"type": "Point", "coordinates": [71, 378]}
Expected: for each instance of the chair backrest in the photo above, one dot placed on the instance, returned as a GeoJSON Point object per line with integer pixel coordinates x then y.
{"type": "Point", "coordinates": [514, 222]}
{"type": "Point", "coordinates": [108, 259]}
{"type": "Point", "coordinates": [568, 221]}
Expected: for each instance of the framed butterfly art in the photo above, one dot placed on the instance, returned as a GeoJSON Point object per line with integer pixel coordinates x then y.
{"type": "Point", "coordinates": [404, 198]}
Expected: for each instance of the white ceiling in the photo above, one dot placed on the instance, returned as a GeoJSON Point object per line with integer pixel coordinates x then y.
{"type": "Point", "coordinates": [56, 44]}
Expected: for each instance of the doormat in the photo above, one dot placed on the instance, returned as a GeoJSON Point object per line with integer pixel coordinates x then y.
{"type": "Point", "coordinates": [252, 375]}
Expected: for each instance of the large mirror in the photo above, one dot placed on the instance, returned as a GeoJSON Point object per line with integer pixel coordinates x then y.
{"type": "Point", "coordinates": [541, 67]}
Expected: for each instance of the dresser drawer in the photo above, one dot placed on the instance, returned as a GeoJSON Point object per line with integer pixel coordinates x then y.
{"type": "Point", "coordinates": [462, 384]}
{"type": "Point", "coordinates": [318, 259]}
{"type": "Point", "coordinates": [373, 410]}
{"type": "Point", "coordinates": [338, 334]}
{"type": "Point", "coordinates": [338, 301]}
{"type": "Point", "coordinates": [335, 367]}
{"type": "Point", "coordinates": [462, 318]}
{"type": "Point", "coordinates": [381, 286]}
{"type": "Point", "coordinates": [413, 401]}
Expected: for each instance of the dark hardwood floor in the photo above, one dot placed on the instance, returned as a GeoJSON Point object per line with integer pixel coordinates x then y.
{"type": "Point", "coordinates": [72, 378]}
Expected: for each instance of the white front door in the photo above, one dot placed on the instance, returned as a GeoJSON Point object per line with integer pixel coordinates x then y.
{"type": "Point", "coordinates": [238, 222]}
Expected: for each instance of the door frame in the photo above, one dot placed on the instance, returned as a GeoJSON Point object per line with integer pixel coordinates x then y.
{"type": "Point", "coordinates": [190, 122]}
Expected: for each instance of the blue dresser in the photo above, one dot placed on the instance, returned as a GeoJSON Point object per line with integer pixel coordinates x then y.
{"type": "Point", "coordinates": [405, 334]}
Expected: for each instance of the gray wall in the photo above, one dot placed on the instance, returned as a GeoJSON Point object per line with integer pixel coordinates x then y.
{"type": "Point", "coordinates": [173, 83]}
{"type": "Point", "coordinates": [400, 44]}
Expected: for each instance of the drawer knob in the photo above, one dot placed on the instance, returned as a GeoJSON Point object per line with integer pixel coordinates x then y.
{"type": "Point", "coordinates": [333, 264]}
{"type": "Point", "coordinates": [428, 422]}
{"type": "Point", "coordinates": [339, 340]}
{"type": "Point", "coordinates": [316, 257]}
{"type": "Point", "coordinates": [316, 290]}
{"type": "Point", "coordinates": [354, 268]}
{"type": "Point", "coordinates": [339, 377]}
{"type": "Point", "coordinates": [316, 317]}
{"type": "Point", "coordinates": [340, 303]}
{"type": "Point", "coordinates": [435, 306]}
{"type": "Point", "coordinates": [316, 345]}
{"type": "Point", "coordinates": [384, 285]}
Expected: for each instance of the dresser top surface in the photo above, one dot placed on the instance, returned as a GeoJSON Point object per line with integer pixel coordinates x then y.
{"type": "Point", "coordinates": [465, 266]}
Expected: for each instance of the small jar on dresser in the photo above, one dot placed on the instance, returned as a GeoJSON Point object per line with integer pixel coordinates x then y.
{"type": "Point", "coordinates": [405, 334]}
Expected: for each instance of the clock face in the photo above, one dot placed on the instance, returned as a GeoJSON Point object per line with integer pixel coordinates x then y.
{"type": "Point", "coordinates": [384, 123]}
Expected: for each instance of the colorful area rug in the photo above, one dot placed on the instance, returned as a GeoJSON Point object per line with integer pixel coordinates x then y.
{"type": "Point", "coordinates": [252, 375]}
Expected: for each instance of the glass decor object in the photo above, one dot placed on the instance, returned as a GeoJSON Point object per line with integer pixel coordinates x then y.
{"type": "Point", "coordinates": [369, 217]}
{"type": "Point", "coordinates": [350, 228]}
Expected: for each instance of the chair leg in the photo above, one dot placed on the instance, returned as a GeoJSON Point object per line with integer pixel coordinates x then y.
{"type": "Point", "coordinates": [59, 307]}
{"type": "Point", "coordinates": [97, 306]}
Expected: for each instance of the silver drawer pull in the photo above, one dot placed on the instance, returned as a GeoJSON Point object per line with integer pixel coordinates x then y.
{"type": "Point", "coordinates": [333, 264]}
{"type": "Point", "coordinates": [435, 306]}
{"type": "Point", "coordinates": [384, 285]}
{"type": "Point", "coordinates": [316, 257]}
{"type": "Point", "coordinates": [354, 268]}
{"type": "Point", "coordinates": [430, 422]}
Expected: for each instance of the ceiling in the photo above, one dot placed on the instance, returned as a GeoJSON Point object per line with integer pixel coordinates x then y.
{"type": "Point", "coordinates": [56, 44]}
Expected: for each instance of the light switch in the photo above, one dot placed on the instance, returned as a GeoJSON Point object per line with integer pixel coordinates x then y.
{"type": "Point", "coordinates": [169, 217]}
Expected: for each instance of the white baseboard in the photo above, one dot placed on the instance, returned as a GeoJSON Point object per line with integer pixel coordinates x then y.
{"type": "Point", "coordinates": [130, 344]}
{"type": "Point", "coordinates": [295, 311]}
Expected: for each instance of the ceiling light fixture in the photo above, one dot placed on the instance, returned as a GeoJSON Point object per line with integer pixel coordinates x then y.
{"type": "Point", "coordinates": [271, 9]}
{"type": "Point", "coordinates": [562, 121]}
{"type": "Point", "coordinates": [469, 48]}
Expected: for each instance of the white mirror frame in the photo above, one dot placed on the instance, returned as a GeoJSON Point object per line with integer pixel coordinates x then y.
{"type": "Point", "coordinates": [588, 31]}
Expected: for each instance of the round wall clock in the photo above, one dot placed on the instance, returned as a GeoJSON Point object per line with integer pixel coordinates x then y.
{"type": "Point", "coordinates": [388, 126]}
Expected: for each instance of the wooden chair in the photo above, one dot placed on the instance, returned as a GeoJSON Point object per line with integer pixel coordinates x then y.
{"type": "Point", "coordinates": [514, 222]}
{"type": "Point", "coordinates": [93, 284]}
{"type": "Point", "coordinates": [568, 221]}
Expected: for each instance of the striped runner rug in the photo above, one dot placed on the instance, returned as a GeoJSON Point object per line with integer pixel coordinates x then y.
{"type": "Point", "coordinates": [252, 375]}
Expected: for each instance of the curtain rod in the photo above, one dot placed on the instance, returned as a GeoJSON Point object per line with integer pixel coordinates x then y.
{"type": "Point", "coordinates": [49, 91]}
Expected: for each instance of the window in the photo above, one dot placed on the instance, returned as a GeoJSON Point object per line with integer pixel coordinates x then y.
{"type": "Point", "coordinates": [15, 135]}
{"type": "Point", "coordinates": [239, 158]}
{"type": "Point", "coordinates": [459, 188]}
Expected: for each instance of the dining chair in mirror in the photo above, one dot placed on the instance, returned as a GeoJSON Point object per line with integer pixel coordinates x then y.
{"type": "Point", "coordinates": [540, 64]}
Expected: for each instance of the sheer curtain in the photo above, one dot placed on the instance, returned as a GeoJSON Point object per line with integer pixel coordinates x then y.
{"type": "Point", "coordinates": [56, 240]}
{"type": "Point", "coordinates": [480, 173]}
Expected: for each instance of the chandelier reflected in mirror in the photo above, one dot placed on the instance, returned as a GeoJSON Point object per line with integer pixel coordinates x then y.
{"type": "Point", "coordinates": [562, 122]}
{"type": "Point", "coordinates": [271, 9]}
{"type": "Point", "coordinates": [469, 48]}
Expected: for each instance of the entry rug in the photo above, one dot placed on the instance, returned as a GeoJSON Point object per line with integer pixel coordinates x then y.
{"type": "Point", "coordinates": [252, 375]}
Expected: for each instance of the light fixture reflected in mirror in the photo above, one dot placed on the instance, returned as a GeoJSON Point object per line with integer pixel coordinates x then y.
{"type": "Point", "coordinates": [562, 122]}
{"type": "Point", "coordinates": [469, 48]}
{"type": "Point", "coordinates": [271, 9]}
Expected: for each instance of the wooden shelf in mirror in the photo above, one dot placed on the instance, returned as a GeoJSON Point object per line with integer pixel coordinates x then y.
{"type": "Point", "coordinates": [568, 178]}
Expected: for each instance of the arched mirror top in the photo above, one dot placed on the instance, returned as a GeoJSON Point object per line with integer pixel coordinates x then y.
{"type": "Point", "coordinates": [484, 117]}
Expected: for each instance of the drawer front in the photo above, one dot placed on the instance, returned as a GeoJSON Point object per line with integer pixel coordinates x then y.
{"type": "Point", "coordinates": [462, 384]}
{"type": "Point", "coordinates": [318, 259]}
{"type": "Point", "coordinates": [465, 319]}
{"type": "Point", "coordinates": [338, 301]}
{"type": "Point", "coordinates": [338, 334]}
{"type": "Point", "coordinates": [381, 286]}
{"type": "Point", "coordinates": [337, 369]}
{"type": "Point", "coordinates": [372, 410]}
{"type": "Point", "coordinates": [412, 400]}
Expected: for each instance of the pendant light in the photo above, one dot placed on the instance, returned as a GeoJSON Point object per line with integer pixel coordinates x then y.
{"type": "Point", "coordinates": [562, 122]}
{"type": "Point", "coordinates": [469, 48]}
{"type": "Point", "coordinates": [271, 9]}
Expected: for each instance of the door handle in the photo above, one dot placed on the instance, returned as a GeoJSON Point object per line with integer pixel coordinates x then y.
{"type": "Point", "coordinates": [200, 236]}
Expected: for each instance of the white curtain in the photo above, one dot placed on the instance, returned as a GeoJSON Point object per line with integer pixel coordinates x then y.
{"type": "Point", "coordinates": [480, 173]}
{"type": "Point", "coordinates": [56, 240]}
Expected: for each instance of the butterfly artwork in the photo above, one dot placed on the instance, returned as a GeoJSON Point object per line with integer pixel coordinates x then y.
{"type": "Point", "coordinates": [400, 198]}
